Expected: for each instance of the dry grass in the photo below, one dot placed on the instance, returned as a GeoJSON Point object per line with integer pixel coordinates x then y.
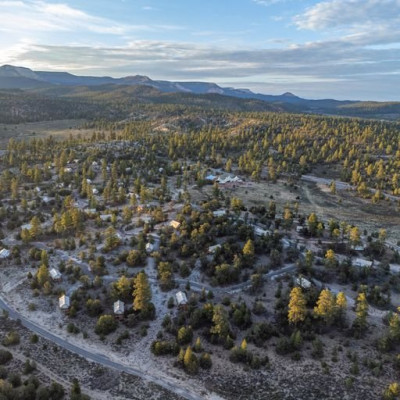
{"type": "Point", "coordinates": [59, 129]}
{"type": "Point", "coordinates": [343, 206]}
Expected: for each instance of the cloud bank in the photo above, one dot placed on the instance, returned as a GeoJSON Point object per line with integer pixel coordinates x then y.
{"type": "Point", "coordinates": [356, 53]}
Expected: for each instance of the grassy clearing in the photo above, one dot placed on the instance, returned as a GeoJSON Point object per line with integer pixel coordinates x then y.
{"type": "Point", "coordinates": [344, 206]}
{"type": "Point", "coordinates": [59, 129]}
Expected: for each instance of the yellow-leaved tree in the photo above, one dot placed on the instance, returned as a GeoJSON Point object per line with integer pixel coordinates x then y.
{"type": "Point", "coordinates": [142, 292]}
{"type": "Point", "coordinates": [297, 306]}
{"type": "Point", "coordinates": [325, 307]}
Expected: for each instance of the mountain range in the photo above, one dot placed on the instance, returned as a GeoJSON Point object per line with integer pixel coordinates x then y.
{"type": "Point", "coordinates": [54, 83]}
{"type": "Point", "coordinates": [12, 77]}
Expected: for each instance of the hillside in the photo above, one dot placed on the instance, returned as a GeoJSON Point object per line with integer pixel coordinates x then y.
{"type": "Point", "coordinates": [109, 101]}
{"type": "Point", "coordinates": [106, 91]}
{"type": "Point", "coordinates": [161, 91]}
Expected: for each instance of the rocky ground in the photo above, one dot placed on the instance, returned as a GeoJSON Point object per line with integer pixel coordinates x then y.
{"type": "Point", "coordinates": [56, 364]}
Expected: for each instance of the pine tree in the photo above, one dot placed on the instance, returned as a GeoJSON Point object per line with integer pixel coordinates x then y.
{"type": "Point", "coordinates": [297, 306]}
{"type": "Point", "coordinates": [198, 346]}
{"type": "Point", "coordinates": [312, 222]}
{"type": "Point", "coordinates": [309, 260]}
{"type": "Point", "coordinates": [287, 218]}
{"type": "Point", "coordinates": [296, 340]}
{"type": "Point", "coordinates": [325, 307]}
{"type": "Point", "coordinates": [127, 214]}
{"type": "Point", "coordinates": [355, 236]}
{"type": "Point", "coordinates": [24, 204]}
{"type": "Point", "coordinates": [142, 292]}
{"type": "Point", "coordinates": [36, 229]}
{"type": "Point", "coordinates": [394, 326]}
{"type": "Point", "coordinates": [228, 165]}
{"type": "Point", "coordinates": [220, 320]}
{"type": "Point", "coordinates": [25, 236]}
{"type": "Point", "coordinates": [123, 287]}
{"type": "Point", "coordinates": [341, 305]}
{"type": "Point", "coordinates": [190, 361]}
{"type": "Point", "coordinates": [14, 188]}
{"type": "Point", "coordinates": [44, 258]}
{"type": "Point", "coordinates": [181, 355]}
{"type": "Point", "coordinates": [43, 275]}
{"type": "Point", "coordinates": [392, 392]}
{"type": "Point", "coordinates": [330, 259]}
{"type": "Point", "coordinates": [360, 323]}
{"type": "Point", "coordinates": [248, 252]}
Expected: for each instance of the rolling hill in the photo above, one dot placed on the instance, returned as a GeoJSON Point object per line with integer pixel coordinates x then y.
{"type": "Point", "coordinates": [202, 94]}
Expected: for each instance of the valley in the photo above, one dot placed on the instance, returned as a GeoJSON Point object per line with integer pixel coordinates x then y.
{"type": "Point", "coordinates": [161, 248]}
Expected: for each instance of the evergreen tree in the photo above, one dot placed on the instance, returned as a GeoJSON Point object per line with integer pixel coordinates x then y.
{"type": "Point", "coordinates": [309, 260]}
{"type": "Point", "coordinates": [341, 306]}
{"type": "Point", "coordinates": [394, 326]}
{"type": "Point", "coordinates": [35, 229]}
{"type": "Point", "coordinates": [297, 306]}
{"type": "Point", "coordinates": [44, 258]}
{"type": "Point", "coordinates": [142, 292]}
{"type": "Point", "coordinates": [248, 249]}
{"type": "Point", "coordinates": [190, 361]}
{"type": "Point", "coordinates": [220, 320]}
{"type": "Point", "coordinates": [355, 236]}
{"type": "Point", "coordinates": [325, 307]}
{"type": "Point", "coordinates": [198, 346]}
{"type": "Point", "coordinates": [330, 259]}
{"type": "Point", "coordinates": [43, 275]}
{"type": "Point", "coordinates": [360, 323]}
{"type": "Point", "coordinates": [26, 236]}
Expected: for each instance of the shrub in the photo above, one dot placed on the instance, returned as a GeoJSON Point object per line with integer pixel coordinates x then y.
{"type": "Point", "coordinates": [171, 302]}
{"type": "Point", "coordinates": [238, 354]}
{"type": "Point", "coordinates": [34, 338]}
{"type": "Point", "coordinates": [5, 357]}
{"type": "Point", "coordinates": [29, 366]}
{"type": "Point", "coordinates": [185, 335]}
{"type": "Point", "coordinates": [148, 313]}
{"type": "Point", "coordinates": [42, 393]}
{"type": "Point", "coordinates": [143, 330]}
{"type": "Point", "coordinates": [205, 361]}
{"type": "Point", "coordinates": [14, 379]}
{"type": "Point", "coordinates": [56, 391]}
{"type": "Point", "coordinates": [3, 372]}
{"type": "Point", "coordinates": [160, 348]}
{"type": "Point", "coordinates": [72, 328]}
{"type": "Point", "coordinates": [317, 349]}
{"type": "Point", "coordinates": [260, 332]}
{"type": "Point", "coordinates": [105, 325]}
{"type": "Point", "coordinates": [255, 362]}
{"type": "Point", "coordinates": [94, 307]}
{"type": "Point", "coordinates": [12, 338]}
{"type": "Point", "coordinates": [284, 346]}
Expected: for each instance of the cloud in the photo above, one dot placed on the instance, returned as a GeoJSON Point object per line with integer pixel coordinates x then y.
{"type": "Point", "coordinates": [269, 2]}
{"type": "Point", "coordinates": [39, 16]}
{"type": "Point", "coordinates": [349, 13]}
{"type": "Point", "coordinates": [35, 17]}
{"type": "Point", "coordinates": [361, 23]}
{"type": "Point", "coordinates": [361, 51]}
{"type": "Point", "coordinates": [326, 60]}
{"type": "Point", "coordinates": [338, 68]}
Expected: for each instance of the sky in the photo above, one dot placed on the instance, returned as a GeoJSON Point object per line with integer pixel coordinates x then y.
{"type": "Point", "coordinates": [343, 49]}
